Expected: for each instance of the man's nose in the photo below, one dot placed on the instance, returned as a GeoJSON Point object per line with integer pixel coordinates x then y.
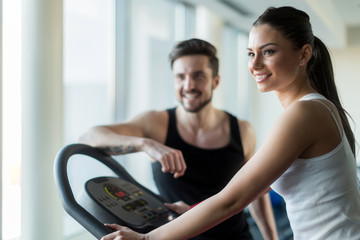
{"type": "Point", "coordinates": [189, 83]}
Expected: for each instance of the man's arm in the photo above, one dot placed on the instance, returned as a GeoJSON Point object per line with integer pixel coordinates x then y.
{"type": "Point", "coordinates": [125, 137]}
{"type": "Point", "coordinates": [146, 133]}
{"type": "Point", "coordinates": [112, 141]}
{"type": "Point", "coordinates": [262, 212]}
{"type": "Point", "coordinates": [261, 208]}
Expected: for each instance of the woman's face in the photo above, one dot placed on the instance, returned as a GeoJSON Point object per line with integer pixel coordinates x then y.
{"type": "Point", "coordinates": [273, 60]}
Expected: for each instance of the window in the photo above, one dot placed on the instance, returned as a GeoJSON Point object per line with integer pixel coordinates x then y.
{"type": "Point", "coordinates": [89, 54]}
{"type": "Point", "coordinates": [114, 52]}
{"type": "Point", "coordinates": [11, 129]}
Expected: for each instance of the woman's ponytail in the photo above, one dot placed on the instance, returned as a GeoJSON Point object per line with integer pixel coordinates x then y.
{"type": "Point", "coordinates": [321, 74]}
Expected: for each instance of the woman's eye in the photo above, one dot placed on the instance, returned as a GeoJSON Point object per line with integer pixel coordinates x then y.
{"type": "Point", "coordinates": [251, 54]}
{"type": "Point", "coordinates": [268, 52]}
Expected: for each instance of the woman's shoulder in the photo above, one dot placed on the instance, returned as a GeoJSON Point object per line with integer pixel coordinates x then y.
{"type": "Point", "coordinates": [304, 119]}
{"type": "Point", "coordinates": [306, 110]}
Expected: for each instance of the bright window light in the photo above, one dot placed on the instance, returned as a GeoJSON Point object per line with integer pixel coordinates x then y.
{"type": "Point", "coordinates": [11, 101]}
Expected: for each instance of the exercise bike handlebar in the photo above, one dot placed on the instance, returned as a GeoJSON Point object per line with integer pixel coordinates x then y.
{"type": "Point", "coordinates": [69, 203]}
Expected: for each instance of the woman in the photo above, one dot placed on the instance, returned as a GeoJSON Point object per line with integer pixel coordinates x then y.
{"type": "Point", "coordinates": [309, 155]}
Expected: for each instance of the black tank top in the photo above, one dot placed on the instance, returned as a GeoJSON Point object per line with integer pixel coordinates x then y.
{"type": "Point", "coordinates": [208, 171]}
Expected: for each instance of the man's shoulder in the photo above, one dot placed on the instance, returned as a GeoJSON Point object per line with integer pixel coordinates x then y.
{"type": "Point", "coordinates": [153, 123]}
{"type": "Point", "coordinates": [241, 122]}
{"type": "Point", "coordinates": [245, 127]}
{"type": "Point", "coordinates": [153, 116]}
{"type": "Point", "coordinates": [244, 123]}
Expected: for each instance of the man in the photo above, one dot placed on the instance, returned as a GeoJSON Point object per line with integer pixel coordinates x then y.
{"type": "Point", "coordinates": [196, 148]}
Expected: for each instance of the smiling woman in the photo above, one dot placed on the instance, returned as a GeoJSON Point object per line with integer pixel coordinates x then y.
{"type": "Point", "coordinates": [311, 145]}
{"type": "Point", "coordinates": [268, 53]}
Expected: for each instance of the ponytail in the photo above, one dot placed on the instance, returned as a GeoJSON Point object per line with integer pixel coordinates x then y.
{"type": "Point", "coordinates": [321, 74]}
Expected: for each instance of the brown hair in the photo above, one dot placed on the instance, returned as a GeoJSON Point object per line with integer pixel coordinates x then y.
{"type": "Point", "coordinates": [196, 46]}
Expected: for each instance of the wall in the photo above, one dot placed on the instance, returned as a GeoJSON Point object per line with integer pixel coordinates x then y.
{"type": "Point", "coordinates": [264, 110]}
{"type": "Point", "coordinates": [346, 65]}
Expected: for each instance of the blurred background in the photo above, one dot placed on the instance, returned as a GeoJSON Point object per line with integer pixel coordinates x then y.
{"type": "Point", "coordinates": [67, 65]}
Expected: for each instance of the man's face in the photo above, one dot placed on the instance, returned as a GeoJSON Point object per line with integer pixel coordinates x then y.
{"type": "Point", "coordinates": [194, 81]}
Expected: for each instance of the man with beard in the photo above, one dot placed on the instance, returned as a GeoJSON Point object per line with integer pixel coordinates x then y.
{"type": "Point", "coordinates": [196, 148]}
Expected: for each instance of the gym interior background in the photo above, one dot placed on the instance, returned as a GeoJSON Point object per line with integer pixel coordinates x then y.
{"type": "Point", "coordinates": [67, 65]}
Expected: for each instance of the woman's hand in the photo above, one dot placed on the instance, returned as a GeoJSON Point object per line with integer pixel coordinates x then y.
{"type": "Point", "coordinates": [122, 233]}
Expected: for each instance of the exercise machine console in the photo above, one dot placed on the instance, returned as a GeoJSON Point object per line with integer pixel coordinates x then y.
{"type": "Point", "coordinates": [118, 199]}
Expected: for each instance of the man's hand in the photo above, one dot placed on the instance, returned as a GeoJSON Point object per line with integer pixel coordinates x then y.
{"type": "Point", "coordinates": [122, 233]}
{"type": "Point", "coordinates": [171, 159]}
{"type": "Point", "coordinates": [178, 207]}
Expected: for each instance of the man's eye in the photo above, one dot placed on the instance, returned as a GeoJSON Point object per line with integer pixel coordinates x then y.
{"type": "Point", "coordinates": [196, 76]}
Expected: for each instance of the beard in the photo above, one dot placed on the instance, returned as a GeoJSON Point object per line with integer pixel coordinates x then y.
{"type": "Point", "coordinates": [199, 107]}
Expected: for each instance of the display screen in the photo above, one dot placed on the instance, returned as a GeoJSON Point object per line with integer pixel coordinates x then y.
{"type": "Point", "coordinates": [116, 192]}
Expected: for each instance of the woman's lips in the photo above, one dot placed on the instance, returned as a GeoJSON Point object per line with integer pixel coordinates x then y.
{"type": "Point", "coordinates": [261, 77]}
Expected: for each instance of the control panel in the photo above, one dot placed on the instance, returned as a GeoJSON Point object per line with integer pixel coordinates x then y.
{"type": "Point", "coordinates": [117, 200]}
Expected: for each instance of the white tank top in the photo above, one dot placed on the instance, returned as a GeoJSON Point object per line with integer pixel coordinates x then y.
{"type": "Point", "coordinates": [322, 194]}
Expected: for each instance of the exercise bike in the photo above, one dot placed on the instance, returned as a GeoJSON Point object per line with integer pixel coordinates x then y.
{"type": "Point", "coordinates": [108, 199]}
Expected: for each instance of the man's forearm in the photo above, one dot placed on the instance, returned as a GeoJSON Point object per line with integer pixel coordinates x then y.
{"type": "Point", "coordinates": [118, 150]}
{"type": "Point", "coordinates": [262, 212]}
{"type": "Point", "coordinates": [110, 142]}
